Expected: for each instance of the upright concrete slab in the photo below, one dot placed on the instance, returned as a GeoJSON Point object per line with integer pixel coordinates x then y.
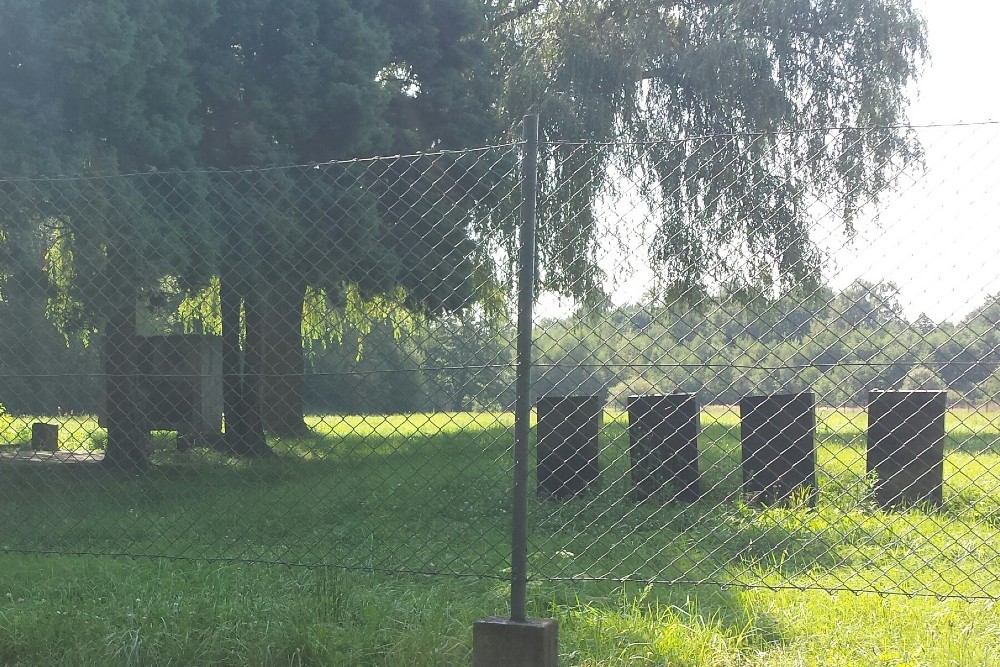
{"type": "Point", "coordinates": [663, 445]}
{"type": "Point", "coordinates": [500, 642]}
{"type": "Point", "coordinates": [182, 381]}
{"type": "Point", "coordinates": [44, 437]}
{"type": "Point", "coordinates": [778, 435]}
{"type": "Point", "coordinates": [179, 386]}
{"type": "Point", "coordinates": [567, 448]}
{"type": "Point", "coordinates": [906, 446]}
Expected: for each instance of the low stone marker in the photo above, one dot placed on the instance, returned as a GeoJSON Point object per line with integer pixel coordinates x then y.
{"type": "Point", "coordinates": [778, 436]}
{"type": "Point", "coordinates": [906, 446]}
{"type": "Point", "coordinates": [44, 437]}
{"type": "Point", "coordinates": [567, 449]}
{"type": "Point", "coordinates": [663, 445]}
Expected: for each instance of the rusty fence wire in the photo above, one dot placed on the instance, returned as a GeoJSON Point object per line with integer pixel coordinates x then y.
{"type": "Point", "coordinates": [317, 365]}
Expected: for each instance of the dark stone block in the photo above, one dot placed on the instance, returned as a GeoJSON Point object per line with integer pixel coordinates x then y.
{"type": "Point", "coordinates": [568, 431]}
{"type": "Point", "coordinates": [44, 437]}
{"type": "Point", "coordinates": [187, 441]}
{"type": "Point", "coordinates": [906, 446]}
{"type": "Point", "coordinates": [663, 445]}
{"type": "Point", "coordinates": [180, 383]}
{"type": "Point", "coordinates": [779, 452]}
{"type": "Point", "coordinates": [500, 642]}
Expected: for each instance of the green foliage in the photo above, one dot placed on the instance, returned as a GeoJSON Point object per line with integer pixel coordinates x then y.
{"type": "Point", "coordinates": [921, 377]}
{"type": "Point", "coordinates": [839, 345]}
{"type": "Point", "coordinates": [718, 86]}
{"type": "Point", "coordinates": [424, 489]}
{"type": "Point", "coordinates": [161, 613]}
{"type": "Point", "coordinates": [98, 88]}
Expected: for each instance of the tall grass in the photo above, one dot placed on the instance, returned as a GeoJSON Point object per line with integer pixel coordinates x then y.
{"type": "Point", "coordinates": [406, 507]}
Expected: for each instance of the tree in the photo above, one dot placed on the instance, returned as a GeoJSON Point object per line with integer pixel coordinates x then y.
{"type": "Point", "coordinates": [101, 87]}
{"type": "Point", "coordinates": [309, 81]}
{"type": "Point", "coordinates": [472, 360]}
{"type": "Point", "coordinates": [707, 101]}
{"type": "Point", "coordinates": [866, 305]}
{"type": "Point", "coordinates": [98, 88]}
{"type": "Point", "coordinates": [988, 391]}
{"type": "Point", "coordinates": [922, 377]}
{"type": "Point", "coordinates": [982, 325]}
{"type": "Point", "coordinates": [118, 86]}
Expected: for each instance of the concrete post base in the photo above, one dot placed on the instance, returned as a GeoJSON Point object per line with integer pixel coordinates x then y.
{"type": "Point", "coordinates": [500, 642]}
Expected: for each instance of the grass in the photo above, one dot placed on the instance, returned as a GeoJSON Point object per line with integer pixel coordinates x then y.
{"type": "Point", "coordinates": [427, 495]}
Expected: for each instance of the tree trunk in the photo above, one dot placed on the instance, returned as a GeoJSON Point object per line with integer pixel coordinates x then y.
{"type": "Point", "coordinates": [232, 362]}
{"type": "Point", "coordinates": [244, 435]}
{"type": "Point", "coordinates": [28, 344]}
{"type": "Point", "coordinates": [283, 363]}
{"type": "Point", "coordinates": [254, 443]}
{"type": "Point", "coordinates": [128, 446]}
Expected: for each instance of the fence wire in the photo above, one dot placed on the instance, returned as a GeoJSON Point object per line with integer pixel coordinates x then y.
{"type": "Point", "coordinates": [315, 365]}
{"type": "Point", "coordinates": [835, 431]}
{"type": "Point", "coordinates": [306, 365]}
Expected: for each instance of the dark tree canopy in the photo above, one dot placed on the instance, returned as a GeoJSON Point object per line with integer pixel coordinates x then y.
{"type": "Point", "coordinates": [92, 88]}
{"type": "Point", "coordinates": [718, 86]}
{"type": "Point", "coordinates": [99, 88]}
{"type": "Point", "coordinates": [698, 100]}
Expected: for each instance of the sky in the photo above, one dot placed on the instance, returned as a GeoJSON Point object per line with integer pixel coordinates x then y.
{"type": "Point", "coordinates": [937, 235]}
{"type": "Point", "coordinates": [960, 82]}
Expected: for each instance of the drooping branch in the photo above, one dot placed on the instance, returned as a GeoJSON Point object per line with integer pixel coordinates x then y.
{"type": "Point", "coordinates": [739, 78]}
{"type": "Point", "coordinates": [515, 13]}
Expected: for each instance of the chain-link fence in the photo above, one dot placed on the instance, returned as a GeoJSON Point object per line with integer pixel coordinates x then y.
{"type": "Point", "coordinates": [816, 409]}
{"type": "Point", "coordinates": [738, 374]}
{"type": "Point", "coordinates": [306, 365]}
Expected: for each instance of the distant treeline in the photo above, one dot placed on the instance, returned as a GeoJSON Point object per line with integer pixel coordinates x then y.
{"type": "Point", "coordinates": [838, 344]}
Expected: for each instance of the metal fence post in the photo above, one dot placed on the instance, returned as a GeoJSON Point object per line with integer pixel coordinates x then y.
{"type": "Point", "coordinates": [522, 405]}
{"type": "Point", "coordinates": [498, 642]}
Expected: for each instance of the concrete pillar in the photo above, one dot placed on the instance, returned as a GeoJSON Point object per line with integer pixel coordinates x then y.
{"type": "Point", "coordinates": [568, 431]}
{"type": "Point", "coordinates": [44, 437]}
{"type": "Point", "coordinates": [778, 436]}
{"type": "Point", "coordinates": [663, 445]}
{"type": "Point", "coordinates": [906, 446]}
{"type": "Point", "coordinates": [500, 642]}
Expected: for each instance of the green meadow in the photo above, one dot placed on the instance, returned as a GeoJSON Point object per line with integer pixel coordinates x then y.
{"type": "Point", "coordinates": [396, 531]}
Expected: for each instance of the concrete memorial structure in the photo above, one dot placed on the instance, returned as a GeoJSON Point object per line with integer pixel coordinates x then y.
{"type": "Point", "coordinates": [180, 385]}
{"type": "Point", "coordinates": [44, 437]}
{"type": "Point", "coordinates": [778, 435]}
{"type": "Point", "coordinates": [906, 446]}
{"type": "Point", "coordinates": [501, 642]}
{"type": "Point", "coordinates": [568, 449]}
{"type": "Point", "coordinates": [663, 445]}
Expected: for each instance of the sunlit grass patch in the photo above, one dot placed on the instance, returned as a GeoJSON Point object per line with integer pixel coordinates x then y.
{"type": "Point", "coordinates": [76, 432]}
{"type": "Point", "coordinates": [430, 493]}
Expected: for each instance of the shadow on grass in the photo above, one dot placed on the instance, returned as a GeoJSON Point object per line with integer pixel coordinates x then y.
{"type": "Point", "coordinates": [431, 494]}
{"type": "Point", "coordinates": [394, 501]}
{"type": "Point", "coordinates": [582, 540]}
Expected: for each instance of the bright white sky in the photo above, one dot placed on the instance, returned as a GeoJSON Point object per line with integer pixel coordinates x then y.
{"type": "Point", "coordinates": [961, 82]}
{"type": "Point", "coordinates": [938, 236]}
